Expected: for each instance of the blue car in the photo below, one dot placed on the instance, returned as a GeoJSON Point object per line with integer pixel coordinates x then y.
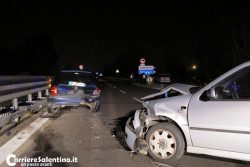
{"type": "Point", "coordinates": [74, 88]}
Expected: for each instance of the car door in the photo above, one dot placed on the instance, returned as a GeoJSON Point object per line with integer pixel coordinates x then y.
{"type": "Point", "coordinates": [219, 118]}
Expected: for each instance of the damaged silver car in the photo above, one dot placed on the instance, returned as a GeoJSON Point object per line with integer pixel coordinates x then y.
{"type": "Point", "coordinates": [212, 120]}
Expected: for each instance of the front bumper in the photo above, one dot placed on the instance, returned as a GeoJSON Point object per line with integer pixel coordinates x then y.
{"type": "Point", "coordinates": [71, 100]}
{"type": "Point", "coordinates": [133, 129]}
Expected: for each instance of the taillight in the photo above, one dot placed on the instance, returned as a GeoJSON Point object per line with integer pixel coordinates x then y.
{"type": "Point", "coordinates": [53, 90]}
{"type": "Point", "coordinates": [97, 91]}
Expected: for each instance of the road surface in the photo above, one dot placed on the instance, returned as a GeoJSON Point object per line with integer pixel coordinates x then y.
{"type": "Point", "coordinates": [95, 139]}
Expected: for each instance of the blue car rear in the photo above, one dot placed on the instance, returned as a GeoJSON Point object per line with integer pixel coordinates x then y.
{"type": "Point", "coordinates": [73, 88]}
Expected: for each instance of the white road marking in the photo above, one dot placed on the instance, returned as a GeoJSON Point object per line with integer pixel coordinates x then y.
{"type": "Point", "coordinates": [122, 91]}
{"type": "Point", "coordinates": [114, 87]}
{"type": "Point", "coordinates": [137, 100]}
{"type": "Point", "coordinates": [12, 145]}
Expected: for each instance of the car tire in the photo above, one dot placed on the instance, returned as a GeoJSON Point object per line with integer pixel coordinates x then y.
{"type": "Point", "coordinates": [166, 143]}
{"type": "Point", "coordinates": [50, 107]}
{"type": "Point", "coordinates": [95, 106]}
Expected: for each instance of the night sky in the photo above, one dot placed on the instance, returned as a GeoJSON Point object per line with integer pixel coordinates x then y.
{"type": "Point", "coordinates": [97, 34]}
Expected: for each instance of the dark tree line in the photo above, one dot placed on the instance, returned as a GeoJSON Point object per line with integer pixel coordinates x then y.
{"type": "Point", "coordinates": [225, 47]}
{"type": "Point", "coordinates": [220, 40]}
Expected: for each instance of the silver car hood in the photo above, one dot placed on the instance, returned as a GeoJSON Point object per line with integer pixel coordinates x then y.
{"type": "Point", "coordinates": [182, 88]}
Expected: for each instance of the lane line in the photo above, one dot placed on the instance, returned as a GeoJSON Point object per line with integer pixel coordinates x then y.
{"type": "Point", "coordinates": [137, 100]}
{"type": "Point", "coordinates": [114, 87]}
{"type": "Point", "coordinates": [16, 142]}
{"type": "Point", "coordinates": [122, 91]}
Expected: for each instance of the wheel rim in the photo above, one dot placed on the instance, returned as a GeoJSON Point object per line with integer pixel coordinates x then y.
{"type": "Point", "coordinates": [162, 144]}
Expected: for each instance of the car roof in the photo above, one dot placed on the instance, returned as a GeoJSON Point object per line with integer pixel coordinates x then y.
{"type": "Point", "coordinates": [71, 71]}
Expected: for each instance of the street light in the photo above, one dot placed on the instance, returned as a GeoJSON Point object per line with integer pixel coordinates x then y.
{"type": "Point", "coordinates": [117, 71]}
{"type": "Point", "coordinates": [194, 67]}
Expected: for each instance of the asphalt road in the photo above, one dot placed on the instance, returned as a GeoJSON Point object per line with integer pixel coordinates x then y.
{"type": "Point", "coordinates": [97, 139]}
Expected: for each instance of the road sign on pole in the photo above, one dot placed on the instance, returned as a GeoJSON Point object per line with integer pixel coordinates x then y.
{"type": "Point", "coordinates": [149, 80]}
{"type": "Point", "coordinates": [143, 69]}
{"type": "Point", "coordinates": [142, 61]}
{"type": "Point", "coordinates": [146, 67]}
{"type": "Point", "coordinates": [147, 70]}
{"type": "Point", "coordinates": [81, 67]}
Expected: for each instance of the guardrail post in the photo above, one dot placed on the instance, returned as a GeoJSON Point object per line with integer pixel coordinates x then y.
{"type": "Point", "coordinates": [40, 95]}
{"type": "Point", "coordinates": [47, 92]}
{"type": "Point", "coordinates": [19, 87]}
{"type": "Point", "coordinates": [29, 97]}
{"type": "Point", "coordinates": [15, 103]}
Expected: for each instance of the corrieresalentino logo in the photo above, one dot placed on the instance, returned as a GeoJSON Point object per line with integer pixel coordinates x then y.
{"type": "Point", "coordinates": [12, 160]}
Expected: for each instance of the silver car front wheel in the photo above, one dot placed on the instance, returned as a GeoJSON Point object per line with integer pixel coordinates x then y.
{"type": "Point", "coordinates": [166, 143]}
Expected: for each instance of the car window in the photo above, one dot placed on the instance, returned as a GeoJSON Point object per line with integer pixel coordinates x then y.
{"type": "Point", "coordinates": [65, 77]}
{"type": "Point", "coordinates": [235, 87]}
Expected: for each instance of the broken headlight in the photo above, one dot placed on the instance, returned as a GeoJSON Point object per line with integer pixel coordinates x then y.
{"type": "Point", "coordinates": [143, 116]}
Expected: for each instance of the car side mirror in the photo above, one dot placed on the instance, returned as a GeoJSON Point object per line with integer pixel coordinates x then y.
{"type": "Point", "coordinates": [208, 95]}
{"type": "Point", "coordinates": [212, 92]}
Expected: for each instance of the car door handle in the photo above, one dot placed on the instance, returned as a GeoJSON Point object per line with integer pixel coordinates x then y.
{"type": "Point", "coordinates": [183, 108]}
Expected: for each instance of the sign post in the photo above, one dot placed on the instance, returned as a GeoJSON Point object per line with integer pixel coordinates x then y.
{"type": "Point", "coordinates": [142, 61]}
{"type": "Point", "coordinates": [146, 70]}
{"type": "Point", "coordinates": [149, 80]}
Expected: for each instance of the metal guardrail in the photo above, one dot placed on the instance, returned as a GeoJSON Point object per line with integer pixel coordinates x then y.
{"type": "Point", "coordinates": [14, 87]}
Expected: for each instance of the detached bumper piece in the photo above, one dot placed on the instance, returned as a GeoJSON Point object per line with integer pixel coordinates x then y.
{"type": "Point", "coordinates": [130, 134]}
{"type": "Point", "coordinates": [133, 131]}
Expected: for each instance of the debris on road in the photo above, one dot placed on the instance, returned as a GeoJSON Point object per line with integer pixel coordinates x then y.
{"type": "Point", "coordinates": [132, 153]}
{"type": "Point", "coordinates": [97, 137]}
{"type": "Point", "coordinates": [160, 164]}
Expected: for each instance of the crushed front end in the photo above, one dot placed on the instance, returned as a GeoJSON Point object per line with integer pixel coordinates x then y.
{"type": "Point", "coordinates": [136, 129]}
{"type": "Point", "coordinates": [163, 106]}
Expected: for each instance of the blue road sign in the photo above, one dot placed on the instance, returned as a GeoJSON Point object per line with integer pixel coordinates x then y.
{"type": "Point", "coordinates": [149, 72]}
{"type": "Point", "coordinates": [141, 71]}
{"type": "Point", "coordinates": [146, 72]}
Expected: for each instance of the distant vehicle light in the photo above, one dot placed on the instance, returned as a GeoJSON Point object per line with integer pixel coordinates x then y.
{"type": "Point", "coordinates": [97, 73]}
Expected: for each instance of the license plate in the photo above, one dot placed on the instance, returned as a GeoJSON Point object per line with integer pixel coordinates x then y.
{"type": "Point", "coordinates": [80, 84]}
